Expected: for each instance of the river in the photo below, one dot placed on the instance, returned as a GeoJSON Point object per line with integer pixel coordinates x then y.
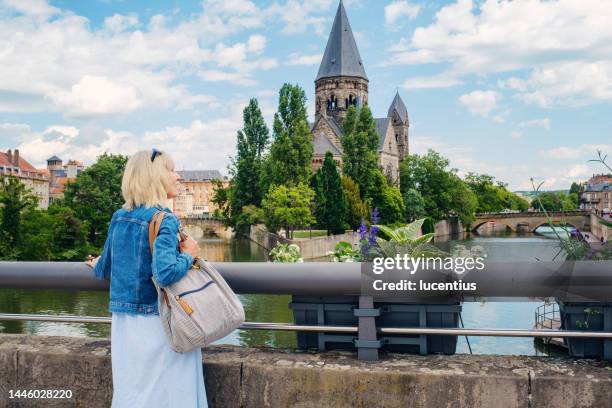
{"type": "Point", "coordinates": [273, 308]}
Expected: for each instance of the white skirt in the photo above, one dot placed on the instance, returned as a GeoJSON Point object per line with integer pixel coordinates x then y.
{"type": "Point", "coordinates": [147, 372]}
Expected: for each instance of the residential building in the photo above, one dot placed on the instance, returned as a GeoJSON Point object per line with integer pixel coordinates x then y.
{"type": "Point", "coordinates": [198, 183]}
{"type": "Point", "coordinates": [60, 174]}
{"type": "Point", "coordinates": [596, 194]}
{"type": "Point", "coordinates": [37, 180]}
{"type": "Point", "coordinates": [183, 204]}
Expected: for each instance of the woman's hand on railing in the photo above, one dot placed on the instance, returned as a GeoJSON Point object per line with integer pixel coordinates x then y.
{"type": "Point", "coordinates": [92, 262]}
{"type": "Point", "coordinates": [190, 246]}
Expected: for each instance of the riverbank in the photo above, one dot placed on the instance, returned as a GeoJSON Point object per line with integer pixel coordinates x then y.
{"type": "Point", "coordinates": [261, 377]}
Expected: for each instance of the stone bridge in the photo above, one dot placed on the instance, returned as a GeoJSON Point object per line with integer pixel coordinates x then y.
{"type": "Point", "coordinates": [530, 221]}
{"type": "Point", "coordinates": [200, 226]}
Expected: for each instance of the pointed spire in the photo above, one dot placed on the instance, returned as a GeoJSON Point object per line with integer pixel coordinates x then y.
{"type": "Point", "coordinates": [398, 106]}
{"type": "Point", "coordinates": [341, 56]}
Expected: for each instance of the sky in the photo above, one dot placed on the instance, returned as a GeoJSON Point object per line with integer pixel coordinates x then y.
{"type": "Point", "coordinates": [516, 89]}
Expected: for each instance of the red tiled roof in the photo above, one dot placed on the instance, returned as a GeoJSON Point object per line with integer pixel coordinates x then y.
{"type": "Point", "coordinates": [23, 163]}
{"type": "Point", "coordinates": [4, 160]}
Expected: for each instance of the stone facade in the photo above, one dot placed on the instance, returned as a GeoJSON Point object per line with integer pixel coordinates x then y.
{"type": "Point", "coordinates": [342, 82]}
{"type": "Point", "coordinates": [36, 180]}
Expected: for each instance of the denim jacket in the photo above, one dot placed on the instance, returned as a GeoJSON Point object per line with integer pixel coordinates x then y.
{"type": "Point", "coordinates": [126, 259]}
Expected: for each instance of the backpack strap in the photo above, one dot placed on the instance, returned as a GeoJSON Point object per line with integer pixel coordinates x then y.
{"type": "Point", "coordinates": [154, 226]}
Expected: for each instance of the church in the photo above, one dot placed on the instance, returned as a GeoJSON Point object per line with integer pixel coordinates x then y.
{"type": "Point", "coordinates": [342, 82]}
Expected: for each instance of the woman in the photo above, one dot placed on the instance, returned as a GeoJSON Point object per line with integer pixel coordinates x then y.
{"type": "Point", "coordinates": [146, 371]}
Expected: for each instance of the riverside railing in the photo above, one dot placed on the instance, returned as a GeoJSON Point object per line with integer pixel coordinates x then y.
{"type": "Point", "coordinates": [325, 278]}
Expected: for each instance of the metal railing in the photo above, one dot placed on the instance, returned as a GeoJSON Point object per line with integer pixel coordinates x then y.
{"type": "Point", "coordinates": [316, 278]}
{"type": "Point", "coordinates": [548, 316]}
{"type": "Point", "coordinates": [336, 329]}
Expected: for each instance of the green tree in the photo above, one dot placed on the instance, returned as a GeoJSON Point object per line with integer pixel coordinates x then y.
{"type": "Point", "coordinates": [291, 151]}
{"type": "Point", "coordinates": [387, 199]}
{"type": "Point", "coordinates": [493, 196]}
{"type": "Point", "coordinates": [288, 208]}
{"type": "Point", "coordinates": [360, 147]}
{"type": "Point", "coordinates": [246, 168]}
{"type": "Point", "coordinates": [444, 193]}
{"type": "Point", "coordinates": [15, 199]}
{"type": "Point", "coordinates": [96, 194]}
{"type": "Point", "coordinates": [330, 203]}
{"type": "Point", "coordinates": [356, 209]}
{"type": "Point", "coordinates": [575, 188]}
{"type": "Point", "coordinates": [222, 196]}
{"type": "Point", "coordinates": [554, 201]}
{"type": "Point", "coordinates": [415, 205]}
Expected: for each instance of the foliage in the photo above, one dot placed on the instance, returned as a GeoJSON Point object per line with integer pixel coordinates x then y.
{"type": "Point", "coordinates": [291, 151]}
{"type": "Point", "coordinates": [360, 147]}
{"type": "Point", "coordinates": [15, 199]}
{"type": "Point", "coordinates": [344, 252]}
{"type": "Point", "coordinates": [405, 240]}
{"type": "Point", "coordinates": [330, 203]}
{"type": "Point", "coordinates": [443, 192]}
{"type": "Point", "coordinates": [52, 235]}
{"type": "Point", "coordinates": [249, 215]}
{"type": "Point", "coordinates": [96, 194]}
{"type": "Point", "coordinates": [356, 209]}
{"type": "Point", "coordinates": [414, 204]}
{"type": "Point", "coordinates": [575, 188]}
{"type": "Point", "coordinates": [286, 253]}
{"type": "Point", "coordinates": [288, 208]}
{"type": "Point", "coordinates": [222, 198]}
{"type": "Point", "coordinates": [493, 196]}
{"type": "Point", "coordinates": [386, 198]}
{"type": "Point", "coordinates": [555, 201]}
{"type": "Point", "coordinates": [247, 167]}
{"type": "Point", "coordinates": [32, 234]}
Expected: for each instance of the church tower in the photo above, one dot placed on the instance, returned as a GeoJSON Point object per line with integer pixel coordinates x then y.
{"type": "Point", "coordinates": [341, 80]}
{"type": "Point", "coordinates": [399, 120]}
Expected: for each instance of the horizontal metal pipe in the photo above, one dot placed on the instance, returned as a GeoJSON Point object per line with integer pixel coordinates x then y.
{"type": "Point", "coordinates": [340, 329]}
{"type": "Point", "coordinates": [576, 281]}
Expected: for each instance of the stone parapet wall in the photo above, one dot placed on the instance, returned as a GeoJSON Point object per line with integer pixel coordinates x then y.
{"type": "Point", "coordinates": [257, 378]}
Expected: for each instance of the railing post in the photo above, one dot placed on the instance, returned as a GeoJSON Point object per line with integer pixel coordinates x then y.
{"type": "Point", "coordinates": [367, 344]}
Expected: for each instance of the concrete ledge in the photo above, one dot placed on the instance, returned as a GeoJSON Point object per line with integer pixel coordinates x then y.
{"type": "Point", "coordinates": [253, 377]}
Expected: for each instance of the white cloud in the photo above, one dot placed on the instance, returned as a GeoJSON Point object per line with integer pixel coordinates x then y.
{"type": "Point", "coordinates": [586, 151]}
{"type": "Point", "coordinates": [579, 170]}
{"type": "Point", "coordinates": [54, 59]}
{"type": "Point", "coordinates": [35, 8]}
{"type": "Point", "coordinates": [118, 22]}
{"type": "Point", "coordinates": [301, 59]}
{"type": "Point", "coordinates": [516, 135]}
{"type": "Point", "coordinates": [238, 78]}
{"type": "Point", "coordinates": [544, 123]}
{"type": "Point", "coordinates": [480, 103]}
{"type": "Point", "coordinates": [565, 46]}
{"type": "Point", "coordinates": [399, 10]}
{"type": "Point", "coordinates": [573, 84]}
{"type": "Point", "coordinates": [94, 95]}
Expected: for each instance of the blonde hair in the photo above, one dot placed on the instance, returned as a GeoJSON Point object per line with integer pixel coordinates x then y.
{"type": "Point", "coordinates": [144, 182]}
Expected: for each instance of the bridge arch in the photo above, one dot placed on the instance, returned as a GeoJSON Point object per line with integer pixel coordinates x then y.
{"type": "Point", "coordinates": [479, 223]}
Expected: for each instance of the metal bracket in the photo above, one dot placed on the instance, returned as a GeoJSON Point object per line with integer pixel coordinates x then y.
{"type": "Point", "coordinates": [367, 343]}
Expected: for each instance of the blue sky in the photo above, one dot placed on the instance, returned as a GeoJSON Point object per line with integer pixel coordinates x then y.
{"type": "Point", "coordinates": [514, 89]}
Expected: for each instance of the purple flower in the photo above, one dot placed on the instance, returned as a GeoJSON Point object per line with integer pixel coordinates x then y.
{"type": "Point", "coordinates": [372, 235]}
{"type": "Point", "coordinates": [363, 230]}
{"type": "Point", "coordinates": [375, 218]}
